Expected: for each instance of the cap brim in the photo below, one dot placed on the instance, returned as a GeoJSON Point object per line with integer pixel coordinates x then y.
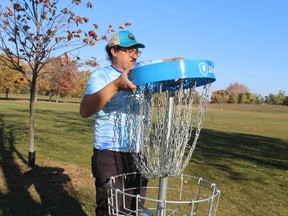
{"type": "Point", "coordinates": [126, 45]}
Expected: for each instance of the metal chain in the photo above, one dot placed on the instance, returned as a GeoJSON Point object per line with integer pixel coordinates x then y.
{"type": "Point", "coordinates": [149, 126]}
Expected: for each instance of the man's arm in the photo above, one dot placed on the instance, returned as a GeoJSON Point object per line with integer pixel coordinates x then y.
{"type": "Point", "coordinates": [93, 103]}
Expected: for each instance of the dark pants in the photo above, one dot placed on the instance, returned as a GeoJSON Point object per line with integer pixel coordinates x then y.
{"type": "Point", "coordinates": [106, 163]}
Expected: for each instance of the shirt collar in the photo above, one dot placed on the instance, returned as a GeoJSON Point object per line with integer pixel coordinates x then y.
{"type": "Point", "coordinates": [116, 69]}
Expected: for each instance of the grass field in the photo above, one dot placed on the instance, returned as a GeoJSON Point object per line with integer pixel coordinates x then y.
{"type": "Point", "coordinates": [242, 148]}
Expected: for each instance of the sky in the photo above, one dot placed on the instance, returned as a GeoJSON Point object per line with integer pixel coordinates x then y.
{"type": "Point", "coordinates": [247, 40]}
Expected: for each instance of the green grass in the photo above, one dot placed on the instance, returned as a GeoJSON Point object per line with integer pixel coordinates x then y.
{"type": "Point", "coordinates": [242, 148]}
{"type": "Point", "coordinates": [265, 120]}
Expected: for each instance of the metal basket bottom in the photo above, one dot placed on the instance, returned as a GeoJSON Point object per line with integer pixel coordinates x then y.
{"type": "Point", "coordinates": [186, 195]}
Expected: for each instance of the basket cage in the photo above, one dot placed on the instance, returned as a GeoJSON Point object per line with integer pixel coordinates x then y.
{"type": "Point", "coordinates": [161, 127]}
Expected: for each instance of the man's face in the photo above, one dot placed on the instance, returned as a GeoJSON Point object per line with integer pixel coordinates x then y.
{"type": "Point", "coordinates": [125, 58]}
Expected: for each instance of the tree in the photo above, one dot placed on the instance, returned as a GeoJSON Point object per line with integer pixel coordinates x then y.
{"type": "Point", "coordinates": [233, 98]}
{"type": "Point", "coordinates": [246, 98]}
{"type": "Point", "coordinates": [219, 96]}
{"type": "Point", "coordinates": [34, 30]}
{"type": "Point", "coordinates": [236, 88]}
{"type": "Point", "coordinates": [259, 99]}
{"type": "Point", "coordinates": [61, 78]}
{"type": "Point", "coordinates": [278, 99]}
{"type": "Point", "coordinates": [285, 101]}
{"type": "Point", "coordinates": [9, 80]}
{"type": "Point", "coordinates": [82, 81]}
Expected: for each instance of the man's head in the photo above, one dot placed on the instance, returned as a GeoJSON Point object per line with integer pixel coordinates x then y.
{"type": "Point", "coordinates": [122, 49]}
{"type": "Point", "coordinates": [122, 40]}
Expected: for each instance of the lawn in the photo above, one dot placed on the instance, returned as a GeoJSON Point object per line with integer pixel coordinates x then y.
{"type": "Point", "coordinates": [242, 148]}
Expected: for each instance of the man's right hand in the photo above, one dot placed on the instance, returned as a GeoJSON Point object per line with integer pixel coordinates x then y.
{"type": "Point", "coordinates": [123, 83]}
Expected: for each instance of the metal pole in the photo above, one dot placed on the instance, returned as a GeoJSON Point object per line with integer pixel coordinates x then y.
{"type": "Point", "coordinates": [163, 181]}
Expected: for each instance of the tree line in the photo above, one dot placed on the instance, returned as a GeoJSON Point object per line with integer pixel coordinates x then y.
{"type": "Point", "coordinates": [237, 93]}
{"type": "Point", "coordinates": [61, 78]}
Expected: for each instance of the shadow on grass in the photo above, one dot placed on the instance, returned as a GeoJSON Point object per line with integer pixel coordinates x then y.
{"type": "Point", "coordinates": [37, 191]}
{"type": "Point", "coordinates": [222, 149]}
{"type": "Point", "coordinates": [63, 118]}
{"type": "Point", "coordinates": [21, 187]}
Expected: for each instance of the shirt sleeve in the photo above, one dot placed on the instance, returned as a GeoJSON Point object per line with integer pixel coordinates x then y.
{"type": "Point", "coordinates": [96, 82]}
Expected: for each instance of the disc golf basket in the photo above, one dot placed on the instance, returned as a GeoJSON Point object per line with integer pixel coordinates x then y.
{"type": "Point", "coordinates": [162, 131]}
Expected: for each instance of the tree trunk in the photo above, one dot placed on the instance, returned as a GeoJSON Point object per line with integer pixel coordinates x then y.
{"type": "Point", "coordinates": [31, 152]}
{"type": "Point", "coordinates": [7, 92]}
{"type": "Point", "coordinates": [36, 95]}
{"type": "Point", "coordinates": [58, 93]}
{"type": "Point", "coordinates": [50, 96]}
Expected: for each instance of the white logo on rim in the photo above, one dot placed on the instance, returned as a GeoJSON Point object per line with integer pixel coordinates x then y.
{"type": "Point", "coordinates": [203, 68]}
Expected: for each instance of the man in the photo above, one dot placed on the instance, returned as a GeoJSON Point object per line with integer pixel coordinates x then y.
{"type": "Point", "coordinates": [105, 96]}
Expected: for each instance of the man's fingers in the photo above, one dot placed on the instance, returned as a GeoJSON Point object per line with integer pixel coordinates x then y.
{"type": "Point", "coordinates": [131, 85]}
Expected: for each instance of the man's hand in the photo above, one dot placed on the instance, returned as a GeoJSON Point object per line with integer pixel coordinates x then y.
{"type": "Point", "coordinates": [173, 59]}
{"type": "Point", "coordinates": [123, 83]}
{"type": "Point", "coordinates": [93, 103]}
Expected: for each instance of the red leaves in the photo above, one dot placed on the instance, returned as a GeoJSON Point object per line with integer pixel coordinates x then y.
{"type": "Point", "coordinates": [86, 40]}
{"type": "Point", "coordinates": [78, 20]}
{"type": "Point", "coordinates": [128, 23]}
{"type": "Point", "coordinates": [89, 4]}
{"type": "Point", "coordinates": [10, 11]}
{"type": "Point", "coordinates": [17, 7]}
{"type": "Point", "coordinates": [93, 35]}
{"type": "Point", "coordinates": [44, 15]}
{"type": "Point", "coordinates": [69, 35]}
{"type": "Point", "coordinates": [60, 39]}
{"type": "Point", "coordinates": [77, 34]}
{"type": "Point", "coordinates": [65, 59]}
{"type": "Point", "coordinates": [65, 11]}
{"type": "Point", "coordinates": [26, 27]}
{"type": "Point", "coordinates": [51, 33]}
{"type": "Point", "coordinates": [86, 20]}
{"type": "Point", "coordinates": [56, 26]}
{"type": "Point", "coordinates": [92, 62]}
{"type": "Point", "coordinates": [47, 3]}
{"type": "Point", "coordinates": [104, 37]}
{"type": "Point", "coordinates": [77, 2]}
{"type": "Point", "coordinates": [16, 30]}
{"type": "Point", "coordinates": [110, 30]}
{"type": "Point", "coordinates": [12, 39]}
{"type": "Point", "coordinates": [237, 88]}
{"type": "Point", "coordinates": [7, 50]}
{"type": "Point", "coordinates": [91, 43]}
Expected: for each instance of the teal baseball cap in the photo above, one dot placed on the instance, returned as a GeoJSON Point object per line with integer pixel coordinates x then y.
{"type": "Point", "coordinates": [124, 39]}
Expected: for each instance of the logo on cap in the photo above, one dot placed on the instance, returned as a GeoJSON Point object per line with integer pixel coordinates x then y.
{"type": "Point", "coordinates": [131, 36]}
